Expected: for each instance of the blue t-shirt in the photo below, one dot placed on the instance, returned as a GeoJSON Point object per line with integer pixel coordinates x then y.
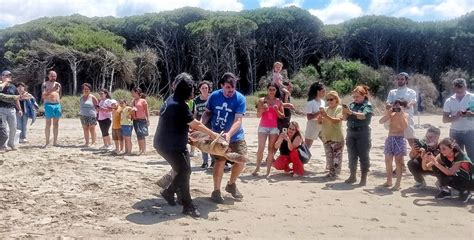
{"type": "Point", "coordinates": [224, 110]}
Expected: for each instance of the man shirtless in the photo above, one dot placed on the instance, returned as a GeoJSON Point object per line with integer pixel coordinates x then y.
{"type": "Point", "coordinates": [52, 106]}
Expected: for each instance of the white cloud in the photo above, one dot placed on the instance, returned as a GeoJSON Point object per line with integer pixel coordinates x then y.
{"type": "Point", "coordinates": [421, 10]}
{"type": "Point", "coordinates": [21, 11]}
{"type": "Point", "coordinates": [338, 11]}
{"type": "Point", "coordinates": [281, 3]}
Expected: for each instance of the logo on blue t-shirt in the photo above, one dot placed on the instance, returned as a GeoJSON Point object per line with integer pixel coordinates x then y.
{"type": "Point", "coordinates": [224, 110]}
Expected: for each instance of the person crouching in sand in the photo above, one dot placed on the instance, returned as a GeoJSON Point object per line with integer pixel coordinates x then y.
{"type": "Point", "coordinates": [395, 144]}
{"type": "Point", "coordinates": [288, 143]}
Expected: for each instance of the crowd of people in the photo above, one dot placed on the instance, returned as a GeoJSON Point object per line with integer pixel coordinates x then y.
{"type": "Point", "coordinates": [220, 113]}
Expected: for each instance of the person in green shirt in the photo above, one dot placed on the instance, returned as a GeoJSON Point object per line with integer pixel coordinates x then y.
{"type": "Point", "coordinates": [455, 170]}
{"type": "Point", "coordinates": [358, 141]}
{"type": "Point", "coordinates": [331, 133]}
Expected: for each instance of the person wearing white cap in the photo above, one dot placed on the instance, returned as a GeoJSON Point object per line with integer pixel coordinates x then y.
{"type": "Point", "coordinates": [459, 111]}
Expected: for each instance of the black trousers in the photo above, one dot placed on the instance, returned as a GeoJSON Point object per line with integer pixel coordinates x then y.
{"type": "Point", "coordinates": [358, 144]}
{"type": "Point", "coordinates": [180, 162]}
{"type": "Point", "coordinates": [414, 165]}
{"type": "Point", "coordinates": [457, 182]}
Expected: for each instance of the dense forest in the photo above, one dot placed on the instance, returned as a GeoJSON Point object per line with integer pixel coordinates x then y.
{"type": "Point", "coordinates": [149, 50]}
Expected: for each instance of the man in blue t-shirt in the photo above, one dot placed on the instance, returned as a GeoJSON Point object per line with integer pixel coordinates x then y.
{"type": "Point", "coordinates": [225, 109]}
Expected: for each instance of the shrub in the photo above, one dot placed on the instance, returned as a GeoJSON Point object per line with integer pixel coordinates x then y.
{"type": "Point", "coordinates": [70, 106]}
{"type": "Point", "coordinates": [424, 86]}
{"type": "Point", "coordinates": [447, 81]}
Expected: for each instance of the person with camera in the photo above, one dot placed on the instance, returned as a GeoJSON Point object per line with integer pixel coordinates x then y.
{"type": "Point", "coordinates": [459, 111]}
{"type": "Point", "coordinates": [395, 144]}
{"type": "Point", "coordinates": [419, 155]}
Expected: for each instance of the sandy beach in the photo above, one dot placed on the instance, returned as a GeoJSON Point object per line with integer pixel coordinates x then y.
{"type": "Point", "coordinates": [71, 192]}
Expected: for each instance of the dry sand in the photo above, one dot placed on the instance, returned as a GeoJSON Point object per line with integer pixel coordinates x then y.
{"type": "Point", "coordinates": [73, 192]}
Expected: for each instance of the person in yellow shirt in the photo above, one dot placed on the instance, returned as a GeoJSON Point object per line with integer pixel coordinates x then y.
{"type": "Point", "coordinates": [331, 133]}
{"type": "Point", "coordinates": [126, 124]}
{"type": "Point", "coordinates": [117, 128]}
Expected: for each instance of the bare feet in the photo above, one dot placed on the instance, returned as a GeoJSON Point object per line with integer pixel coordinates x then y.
{"type": "Point", "coordinates": [255, 172]}
{"type": "Point", "coordinates": [386, 184]}
{"type": "Point", "coordinates": [396, 188]}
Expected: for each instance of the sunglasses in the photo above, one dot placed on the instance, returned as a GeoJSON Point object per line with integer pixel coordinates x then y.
{"type": "Point", "coordinates": [330, 99]}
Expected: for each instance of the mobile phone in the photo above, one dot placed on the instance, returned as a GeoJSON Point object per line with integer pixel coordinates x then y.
{"type": "Point", "coordinates": [464, 112]}
{"type": "Point", "coordinates": [344, 106]}
{"type": "Point", "coordinates": [396, 109]}
{"type": "Point", "coordinates": [285, 130]}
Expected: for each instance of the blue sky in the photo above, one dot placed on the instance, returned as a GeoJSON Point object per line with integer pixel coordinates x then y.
{"type": "Point", "coordinates": [329, 11]}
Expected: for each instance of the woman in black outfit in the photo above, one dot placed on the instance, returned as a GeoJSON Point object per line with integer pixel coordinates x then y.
{"type": "Point", "coordinates": [171, 138]}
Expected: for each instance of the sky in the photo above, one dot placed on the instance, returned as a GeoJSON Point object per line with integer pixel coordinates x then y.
{"type": "Point", "coordinates": [329, 11]}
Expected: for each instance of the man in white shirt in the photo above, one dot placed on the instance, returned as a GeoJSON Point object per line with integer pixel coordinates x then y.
{"type": "Point", "coordinates": [459, 111]}
{"type": "Point", "coordinates": [409, 95]}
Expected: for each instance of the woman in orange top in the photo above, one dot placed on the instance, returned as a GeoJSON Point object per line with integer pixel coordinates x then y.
{"type": "Point", "coordinates": [141, 118]}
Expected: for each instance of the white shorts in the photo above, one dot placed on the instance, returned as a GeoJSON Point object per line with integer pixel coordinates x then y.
{"type": "Point", "coordinates": [268, 131]}
{"type": "Point", "coordinates": [313, 129]}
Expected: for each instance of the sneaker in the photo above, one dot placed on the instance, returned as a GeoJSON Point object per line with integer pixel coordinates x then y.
{"type": "Point", "coordinates": [232, 189]}
{"type": "Point", "coordinates": [443, 195]}
{"type": "Point", "coordinates": [103, 147]}
{"type": "Point", "coordinates": [168, 196]}
{"type": "Point", "coordinates": [420, 185]}
{"type": "Point", "coordinates": [23, 141]}
{"type": "Point", "coordinates": [216, 197]}
{"type": "Point", "coordinates": [465, 196]}
{"type": "Point", "coordinates": [110, 147]}
{"type": "Point", "coordinates": [192, 211]}
{"type": "Point", "coordinates": [204, 166]}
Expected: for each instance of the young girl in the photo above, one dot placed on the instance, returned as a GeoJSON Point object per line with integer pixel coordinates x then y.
{"type": "Point", "coordinates": [455, 169]}
{"type": "Point", "coordinates": [117, 128]}
{"type": "Point", "coordinates": [269, 110]}
{"type": "Point", "coordinates": [288, 142]}
{"type": "Point", "coordinates": [316, 94]}
{"type": "Point", "coordinates": [126, 125]}
{"type": "Point", "coordinates": [105, 117]}
{"type": "Point", "coordinates": [200, 106]}
{"type": "Point", "coordinates": [141, 118]}
{"type": "Point", "coordinates": [395, 144]}
{"type": "Point", "coordinates": [331, 134]}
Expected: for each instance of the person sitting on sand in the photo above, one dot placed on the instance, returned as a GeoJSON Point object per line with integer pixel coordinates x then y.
{"type": "Point", "coordinates": [456, 170]}
{"type": "Point", "coordinates": [395, 144]}
{"type": "Point", "coordinates": [418, 156]}
{"type": "Point", "coordinates": [288, 143]}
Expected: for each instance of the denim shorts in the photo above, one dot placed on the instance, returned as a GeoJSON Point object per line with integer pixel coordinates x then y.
{"type": "Point", "coordinates": [127, 130]}
{"type": "Point", "coordinates": [141, 128]}
{"type": "Point", "coordinates": [268, 131]}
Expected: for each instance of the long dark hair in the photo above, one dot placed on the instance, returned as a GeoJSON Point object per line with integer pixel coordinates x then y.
{"type": "Point", "coordinates": [314, 89]}
{"type": "Point", "coordinates": [140, 92]}
{"type": "Point", "coordinates": [107, 94]}
{"type": "Point", "coordinates": [185, 87]}
{"type": "Point", "coordinates": [451, 143]}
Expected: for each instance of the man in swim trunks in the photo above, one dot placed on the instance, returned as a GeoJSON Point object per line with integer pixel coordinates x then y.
{"type": "Point", "coordinates": [52, 106]}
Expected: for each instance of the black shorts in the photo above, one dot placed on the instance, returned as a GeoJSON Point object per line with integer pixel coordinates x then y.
{"type": "Point", "coordinates": [105, 126]}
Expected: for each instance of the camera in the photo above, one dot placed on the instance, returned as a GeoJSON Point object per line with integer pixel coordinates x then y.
{"type": "Point", "coordinates": [397, 109]}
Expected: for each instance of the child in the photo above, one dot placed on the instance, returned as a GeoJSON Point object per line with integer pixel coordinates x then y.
{"type": "Point", "coordinates": [126, 124]}
{"type": "Point", "coordinates": [395, 144]}
{"type": "Point", "coordinates": [117, 128]}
